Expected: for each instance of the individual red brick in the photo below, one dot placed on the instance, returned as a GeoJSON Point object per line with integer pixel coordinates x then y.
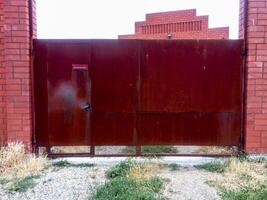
{"type": "Point", "coordinates": [12, 51]}
{"type": "Point", "coordinates": [253, 139]}
{"type": "Point", "coordinates": [262, 16]}
{"type": "Point", "coordinates": [13, 87]}
{"type": "Point", "coordinates": [253, 105]}
{"type": "Point", "coordinates": [254, 75]}
{"type": "Point", "coordinates": [260, 122]}
{"type": "Point", "coordinates": [255, 64]}
{"type": "Point", "coordinates": [255, 69]}
{"type": "Point", "coordinates": [261, 52]}
{"type": "Point", "coordinates": [261, 87]}
{"type": "Point", "coordinates": [254, 99]}
{"type": "Point", "coordinates": [261, 127]}
{"type": "Point", "coordinates": [252, 145]}
{"type": "Point", "coordinates": [251, 58]}
{"type": "Point", "coordinates": [262, 10]}
{"type": "Point", "coordinates": [262, 22]}
{"type": "Point", "coordinates": [256, 4]}
{"type": "Point", "coordinates": [12, 15]}
{"type": "Point", "coordinates": [256, 28]}
{"type": "Point", "coordinates": [256, 40]}
{"type": "Point", "coordinates": [262, 58]}
{"type": "Point", "coordinates": [261, 81]}
{"type": "Point", "coordinates": [18, 3]}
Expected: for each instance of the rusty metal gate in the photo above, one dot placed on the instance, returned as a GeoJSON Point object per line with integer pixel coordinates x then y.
{"type": "Point", "coordinates": [137, 92]}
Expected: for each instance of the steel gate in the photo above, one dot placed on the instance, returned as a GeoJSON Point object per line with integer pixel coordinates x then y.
{"type": "Point", "coordinates": [138, 92]}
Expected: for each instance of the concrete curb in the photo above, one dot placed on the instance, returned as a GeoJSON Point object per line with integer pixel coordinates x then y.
{"type": "Point", "coordinates": [183, 161]}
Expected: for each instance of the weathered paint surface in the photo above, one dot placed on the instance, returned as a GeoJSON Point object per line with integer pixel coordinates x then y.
{"type": "Point", "coordinates": [184, 92]}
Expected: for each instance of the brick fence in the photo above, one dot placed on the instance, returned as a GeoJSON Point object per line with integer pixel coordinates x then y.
{"type": "Point", "coordinates": [15, 68]}
{"type": "Point", "coordinates": [17, 26]}
{"type": "Point", "coordinates": [256, 68]}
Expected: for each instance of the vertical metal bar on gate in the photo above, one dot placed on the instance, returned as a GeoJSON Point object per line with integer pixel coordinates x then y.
{"type": "Point", "coordinates": [138, 150]}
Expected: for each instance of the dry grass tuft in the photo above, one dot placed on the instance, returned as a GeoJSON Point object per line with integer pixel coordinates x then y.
{"type": "Point", "coordinates": [16, 163]}
{"type": "Point", "coordinates": [70, 149]}
{"type": "Point", "coordinates": [145, 170]}
{"type": "Point", "coordinates": [218, 150]}
{"type": "Point", "coordinates": [243, 174]}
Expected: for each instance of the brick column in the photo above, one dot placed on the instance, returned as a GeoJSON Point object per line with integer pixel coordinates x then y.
{"type": "Point", "coordinates": [256, 66]}
{"type": "Point", "coordinates": [2, 78]}
{"type": "Point", "coordinates": [15, 69]}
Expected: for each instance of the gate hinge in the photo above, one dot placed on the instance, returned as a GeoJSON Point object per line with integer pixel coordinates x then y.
{"type": "Point", "coordinates": [241, 142]}
{"type": "Point", "coordinates": [244, 53]}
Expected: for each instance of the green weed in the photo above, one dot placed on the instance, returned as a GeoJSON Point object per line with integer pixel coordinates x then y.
{"type": "Point", "coordinates": [152, 149]}
{"type": "Point", "coordinates": [123, 188]}
{"type": "Point", "coordinates": [22, 185]}
{"type": "Point", "coordinates": [218, 167]}
{"type": "Point", "coordinates": [120, 170]}
{"type": "Point", "coordinates": [64, 163]}
{"type": "Point", "coordinates": [244, 194]}
{"type": "Point", "coordinates": [174, 167]}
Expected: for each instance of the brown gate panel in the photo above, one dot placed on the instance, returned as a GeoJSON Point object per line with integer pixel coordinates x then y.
{"type": "Point", "coordinates": [59, 98]}
{"type": "Point", "coordinates": [114, 94]}
{"type": "Point", "coordinates": [132, 92]}
{"type": "Point", "coordinates": [191, 92]}
{"type": "Point", "coordinates": [218, 129]}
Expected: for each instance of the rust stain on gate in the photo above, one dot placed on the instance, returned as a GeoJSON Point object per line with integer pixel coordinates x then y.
{"type": "Point", "coordinates": [134, 92]}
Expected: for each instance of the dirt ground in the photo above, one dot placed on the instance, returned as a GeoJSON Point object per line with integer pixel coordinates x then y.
{"type": "Point", "coordinates": [78, 183]}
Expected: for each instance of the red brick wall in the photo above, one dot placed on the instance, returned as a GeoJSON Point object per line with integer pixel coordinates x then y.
{"type": "Point", "coordinates": [183, 24]}
{"type": "Point", "coordinates": [15, 93]}
{"type": "Point", "coordinates": [256, 109]}
{"type": "Point", "coordinates": [2, 79]}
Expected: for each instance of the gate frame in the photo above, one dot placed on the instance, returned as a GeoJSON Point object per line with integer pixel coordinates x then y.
{"type": "Point", "coordinates": [241, 147]}
{"type": "Point", "coordinates": [138, 152]}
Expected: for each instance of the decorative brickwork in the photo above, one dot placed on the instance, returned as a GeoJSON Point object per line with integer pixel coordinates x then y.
{"type": "Point", "coordinates": [256, 104]}
{"type": "Point", "coordinates": [15, 85]}
{"type": "Point", "coordinates": [182, 24]}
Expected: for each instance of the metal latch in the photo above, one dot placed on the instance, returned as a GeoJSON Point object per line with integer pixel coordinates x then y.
{"type": "Point", "coordinates": [87, 107]}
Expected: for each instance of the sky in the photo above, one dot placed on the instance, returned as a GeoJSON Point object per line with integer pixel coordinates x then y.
{"type": "Point", "coordinates": [106, 19]}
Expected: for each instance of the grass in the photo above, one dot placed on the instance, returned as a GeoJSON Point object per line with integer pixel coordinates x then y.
{"type": "Point", "coordinates": [70, 149]}
{"type": "Point", "coordinates": [64, 163]}
{"type": "Point", "coordinates": [125, 188]}
{"type": "Point", "coordinates": [218, 150]}
{"type": "Point", "coordinates": [174, 167]}
{"type": "Point", "coordinates": [152, 149]}
{"type": "Point", "coordinates": [244, 194]}
{"type": "Point", "coordinates": [218, 167]}
{"type": "Point", "coordinates": [120, 170]}
{"type": "Point", "coordinates": [22, 185]}
{"type": "Point", "coordinates": [15, 162]}
{"type": "Point", "coordinates": [132, 181]}
{"type": "Point", "coordinates": [240, 178]}
{"type": "Point", "coordinates": [19, 168]}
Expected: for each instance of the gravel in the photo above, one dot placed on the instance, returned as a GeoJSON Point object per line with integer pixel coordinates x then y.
{"type": "Point", "coordinates": [71, 183]}
{"type": "Point", "coordinates": [188, 184]}
{"type": "Point", "coordinates": [78, 183]}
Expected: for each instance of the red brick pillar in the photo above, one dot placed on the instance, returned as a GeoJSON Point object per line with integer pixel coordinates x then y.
{"type": "Point", "coordinates": [2, 79]}
{"type": "Point", "coordinates": [256, 66]}
{"type": "Point", "coordinates": [17, 25]}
